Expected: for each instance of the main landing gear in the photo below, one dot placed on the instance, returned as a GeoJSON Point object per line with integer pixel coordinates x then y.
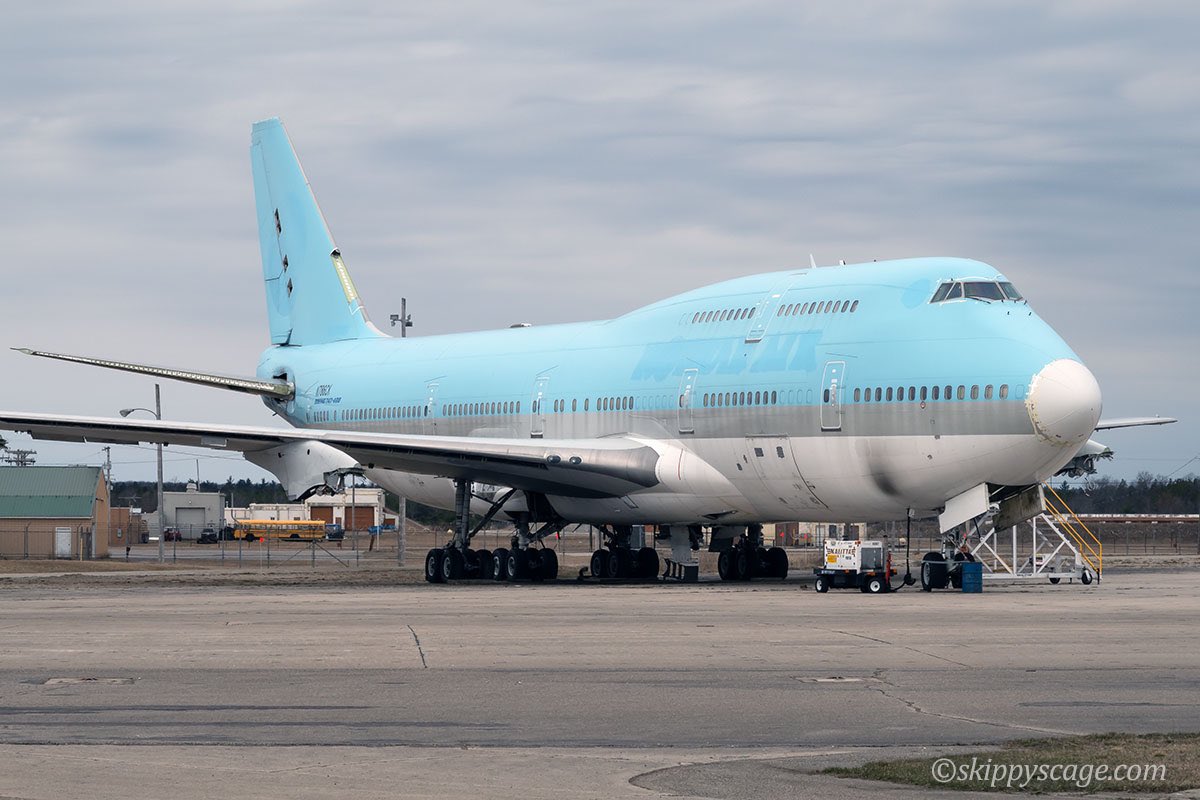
{"type": "Point", "coordinates": [747, 559]}
{"type": "Point", "coordinates": [521, 561]}
{"type": "Point", "coordinates": [619, 561]}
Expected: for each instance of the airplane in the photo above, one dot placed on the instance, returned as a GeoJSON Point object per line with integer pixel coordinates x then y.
{"type": "Point", "coordinates": [877, 391]}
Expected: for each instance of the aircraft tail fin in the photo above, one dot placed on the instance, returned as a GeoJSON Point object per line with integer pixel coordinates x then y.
{"type": "Point", "coordinates": [310, 296]}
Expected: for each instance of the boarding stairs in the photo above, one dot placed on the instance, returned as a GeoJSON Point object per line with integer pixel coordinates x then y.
{"type": "Point", "coordinates": [1053, 545]}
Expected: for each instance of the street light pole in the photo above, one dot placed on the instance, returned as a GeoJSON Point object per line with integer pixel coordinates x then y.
{"type": "Point", "coordinates": [157, 412]}
{"type": "Point", "coordinates": [158, 447]}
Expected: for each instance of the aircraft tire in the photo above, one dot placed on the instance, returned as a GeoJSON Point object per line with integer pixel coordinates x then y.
{"type": "Point", "coordinates": [517, 565]}
{"type": "Point", "coordinates": [433, 565]}
{"type": "Point", "coordinates": [452, 565]}
{"type": "Point", "coordinates": [533, 564]}
{"type": "Point", "coordinates": [777, 563]}
{"type": "Point", "coordinates": [612, 565]}
{"type": "Point", "coordinates": [484, 559]}
{"type": "Point", "coordinates": [549, 565]}
{"type": "Point", "coordinates": [936, 564]}
{"type": "Point", "coordinates": [628, 561]}
{"type": "Point", "coordinates": [743, 564]}
{"type": "Point", "coordinates": [647, 564]}
{"type": "Point", "coordinates": [725, 565]}
{"type": "Point", "coordinates": [599, 563]}
{"type": "Point", "coordinates": [500, 565]}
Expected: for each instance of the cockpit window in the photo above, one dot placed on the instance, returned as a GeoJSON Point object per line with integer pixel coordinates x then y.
{"type": "Point", "coordinates": [978, 290]}
{"type": "Point", "coordinates": [981, 290]}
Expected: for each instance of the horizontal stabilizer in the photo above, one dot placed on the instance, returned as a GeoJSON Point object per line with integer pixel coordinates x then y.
{"type": "Point", "coordinates": [280, 390]}
{"type": "Point", "coordinates": [1132, 422]}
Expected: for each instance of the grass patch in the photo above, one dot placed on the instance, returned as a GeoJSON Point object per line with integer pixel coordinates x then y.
{"type": "Point", "coordinates": [1084, 764]}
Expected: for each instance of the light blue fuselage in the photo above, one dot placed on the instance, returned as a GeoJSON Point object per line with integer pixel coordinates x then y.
{"type": "Point", "coordinates": [665, 371]}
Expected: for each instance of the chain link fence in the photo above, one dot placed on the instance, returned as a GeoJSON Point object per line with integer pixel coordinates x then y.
{"type": "Point", "coordinates": [392, 548]}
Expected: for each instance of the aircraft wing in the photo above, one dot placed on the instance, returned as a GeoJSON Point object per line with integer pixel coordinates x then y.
{"type": "Point", "coordinates": [608, 467]}
{"type": "Point", "coordinates": [1132, 422]}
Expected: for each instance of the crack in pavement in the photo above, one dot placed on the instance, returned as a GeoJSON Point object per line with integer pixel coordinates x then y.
{"type": "Point", "coordinates": [418, 643]}
{"type": "Point", "coordinates": [880, 682]}
{"type": "Point", "coordinates": [903, 647]}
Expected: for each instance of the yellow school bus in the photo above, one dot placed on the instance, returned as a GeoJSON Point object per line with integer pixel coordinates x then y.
{"type": "Point", "coordinates": [297, 530]}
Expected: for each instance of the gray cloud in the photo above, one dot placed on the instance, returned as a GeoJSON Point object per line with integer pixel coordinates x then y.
{"type": "Point", "coordinates": [519, 161]}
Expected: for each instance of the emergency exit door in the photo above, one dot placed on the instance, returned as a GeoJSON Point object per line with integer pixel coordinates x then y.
{"type": "Point", "coordinates": [537, 414]}
{"type": "Point", "coordinates": [832, 386]}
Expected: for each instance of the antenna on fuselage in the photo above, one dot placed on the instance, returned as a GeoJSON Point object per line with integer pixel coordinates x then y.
{"type": "Point", "coordinates": [812, 260]}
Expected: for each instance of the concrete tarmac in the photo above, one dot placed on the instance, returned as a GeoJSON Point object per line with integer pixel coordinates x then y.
{"type": "Point", "coordinates": [565, 690]}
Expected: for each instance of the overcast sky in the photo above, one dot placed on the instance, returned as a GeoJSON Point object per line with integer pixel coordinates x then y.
{"type": "Point", "coordinates": [542, 162]}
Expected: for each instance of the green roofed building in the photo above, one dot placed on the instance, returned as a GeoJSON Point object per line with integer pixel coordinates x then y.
{"type": "Point", "coordinates": [53, 512]}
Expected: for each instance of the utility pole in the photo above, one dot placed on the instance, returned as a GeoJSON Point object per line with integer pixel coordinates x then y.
{"type": "Point", "coordinates": [19, 458]}
{"type": "Point", "coordinates": [402, 531]}
{"type": "Point", "coordinates": [158, 449]}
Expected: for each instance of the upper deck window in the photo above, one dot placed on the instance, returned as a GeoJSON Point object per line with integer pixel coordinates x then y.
{"type": "Point", "coordinates": [989, 291]}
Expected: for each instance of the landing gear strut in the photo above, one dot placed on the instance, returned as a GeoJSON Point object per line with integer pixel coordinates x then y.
{"type": "Point", "coordinates": [456, 560]}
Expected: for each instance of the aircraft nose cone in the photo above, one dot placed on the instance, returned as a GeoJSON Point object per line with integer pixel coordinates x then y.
{"type": "Point", "coordinates": [1064, 402]}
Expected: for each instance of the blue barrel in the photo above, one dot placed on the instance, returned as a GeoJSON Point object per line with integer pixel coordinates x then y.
{"type": "Point", "coordinates": [972, 576]}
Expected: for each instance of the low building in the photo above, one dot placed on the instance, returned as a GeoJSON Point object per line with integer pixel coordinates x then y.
{"type": "Point", "coordinates": [357, 510]}
{"type": "Point", "coordinates": [192, 511]}
{"type": "Point", "coordinates": [53, 512]}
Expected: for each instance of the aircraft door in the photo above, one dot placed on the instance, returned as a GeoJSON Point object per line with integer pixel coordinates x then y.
{"type": "Point", "coordinates": [429, 425]}
{"type": "Point", "coordinates": [767, 308]}
{"type": "Point", "coordinates": [687, 392]}
{"type": "Point", "coordinates": [537, 414]}
{"type": "Point", "coordinates": [831, 395]}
